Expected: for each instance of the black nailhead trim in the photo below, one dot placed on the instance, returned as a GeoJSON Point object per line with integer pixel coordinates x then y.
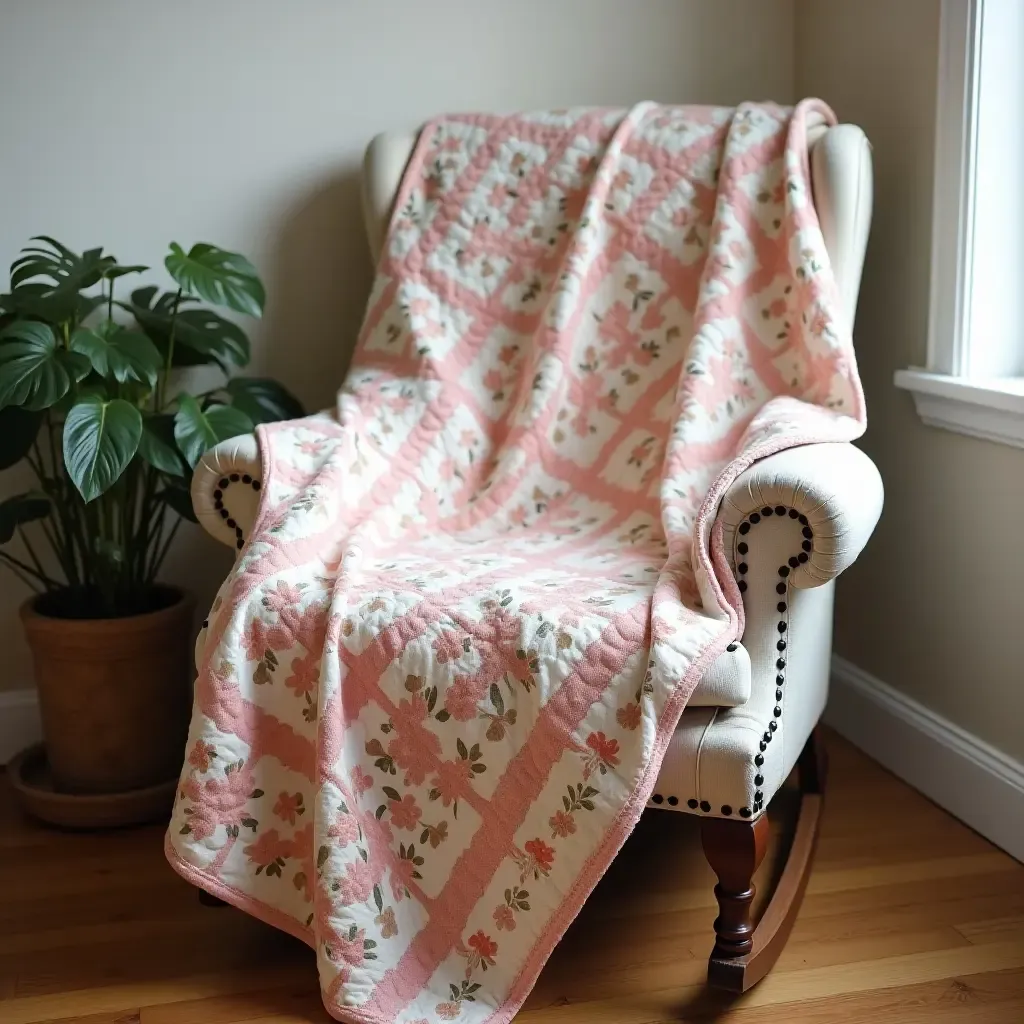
{"type": "Point", "coordinates": [705, 806]}
{"type": "Point", "coordinates": [742, 585]}
{"type": "Point", "coordinates": [767, 736]}
{"type": "Point", "coordinates": [759, 760]}
{"type": "Point", "coordinates": [754, 518]}
{"type": "Point", "coordinates": [780, 645]}
{"type": "Point", "coordinates": [246, 479]}
{"type": "Point", "coordinates": [657, 798]}
{"type": "Point", "coordinates": [726, 809]}
{"type": "Point", "coordinates": [783, 571]}
{"type": "Point", "coordinates": [793, 563]}
{"type": "Point", "coordinates": [778, 695]}
{"type": "Point", "coordinates": [223, 513]}
{"type": "Point", "coordinates": [206, 622]}
{"type": "Point", "coordinates": [780, 607]}
{"type": "Point", "coordinates": [238, 532]}
{"type": "Point", "coordinates": [232, 524]}
{"type": "Point", "coordinates": [803, 520]}
{"type": "Point", "coordinates": [744, 527]}
{"type": "Point", "coordinates": [732, 647]}
{"type": "Point", "coordinates": [759, 796]}
{"type": "Point", "coordinates": [255, 485]}
{"type": "Point", "coordinates": [780, 588]}
{"type": "Point", "coordinates": [223, 482]}
{"type": "Point", "coordinates": [234, 478]}
{"type": "Point", "coordinates": [758, 780]}
{"type": "Point", "coordinates": [807, 532]}
{"type": "Point", "coordinates": [692, 804]}
{"type": "Point", "coordinates": [673, 800]}
{"type": "Point", "coordinates": [779, 680]}
{"type": "Point", "coordinates": [781, 627]}
{"type": "Point", "coordinates": [218, 494]}
{"type": "Point", "coordinates": [218, 505]}
{"type": "Point", "coordinates": [780, 664]}
{"type": "Point", "coordinates": [742, 548]}
{"type": "Point", "coordinates": [240, 545]}
{"type": "Point", "coordinates": [762, 746]}
{"type": "Point", "coordinates": [744, 812]}
{"type": "Point", "coordinates": [772, 726]}
{"type": "Point", "coordinates": [802, 557]}
{"type": "Point", "coordinates": [742, 567]}
{"type": "Point", "coordinates": [806, 545]}
{"type": "Point", "coordinates": [777, 712]}
{"type": "Point", "coordinates": [766, 511]}
{"type": "Point", "coordinates": [780, 510]}
{"type": "Point", "coordinates": [793, 513]}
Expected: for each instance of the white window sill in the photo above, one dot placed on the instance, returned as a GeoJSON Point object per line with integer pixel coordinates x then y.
{"type": "Point", "coordinates": [992, 409]}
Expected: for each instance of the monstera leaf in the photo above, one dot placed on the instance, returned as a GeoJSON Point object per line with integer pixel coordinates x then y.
{"type": "Point", "coordinates": [35, 371]}
{"type": "Point", "coordinates": [22, 508]}
{"type": "Point", "coordinates": [221, 277]}
{"type": "Point", "coordinates": [197, 430]}
{"type": "Point", "coordinates": [157, 445]}
{"type": "Point", "coordinates": [200, 335]}
{"type": "Point", "coordinates": [263, 400]}
{"type": "Point", "coordinates": [100, 439]}
{"type": "Point", "coordinates": [114, 351]}
{"type": "Point", "coordinates": [46, 280]}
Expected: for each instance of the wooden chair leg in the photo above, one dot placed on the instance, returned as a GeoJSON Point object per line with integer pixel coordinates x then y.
{"type": "Point", "coordinates": [734, 850]}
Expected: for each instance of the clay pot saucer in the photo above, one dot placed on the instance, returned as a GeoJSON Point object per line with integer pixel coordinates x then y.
{"type": "Point", "coordinates": [29, 773]}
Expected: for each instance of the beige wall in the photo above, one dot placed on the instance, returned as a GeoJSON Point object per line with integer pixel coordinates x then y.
{"type": "Point", "coordinates": [933, 607]}
{"type": "Point", "coordinates": [242, 122]}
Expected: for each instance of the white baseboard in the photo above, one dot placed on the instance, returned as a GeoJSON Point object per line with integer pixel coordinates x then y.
{"type": "Point", "coordinates": [980, 785]}
{"type": "Point", "coordinates": [19, 722]}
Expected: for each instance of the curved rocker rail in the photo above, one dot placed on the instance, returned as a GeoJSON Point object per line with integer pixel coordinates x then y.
{"type": "Point", "coordinates": [745, 953]}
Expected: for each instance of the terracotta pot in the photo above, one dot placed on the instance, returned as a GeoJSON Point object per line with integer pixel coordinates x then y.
{"type": "Point", "coordinates": [114, 696]}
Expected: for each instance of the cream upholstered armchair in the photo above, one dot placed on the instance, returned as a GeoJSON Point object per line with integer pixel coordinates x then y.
{"type": "Point", "coordinates": [791, 524]}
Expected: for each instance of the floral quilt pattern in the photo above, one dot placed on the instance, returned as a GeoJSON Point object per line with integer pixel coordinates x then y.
{"type": "Point", "coordinates": [434, 692]}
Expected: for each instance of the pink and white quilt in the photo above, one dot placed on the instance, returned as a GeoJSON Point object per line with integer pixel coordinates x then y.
{"type": "Point", "coordinates": [435, 690]}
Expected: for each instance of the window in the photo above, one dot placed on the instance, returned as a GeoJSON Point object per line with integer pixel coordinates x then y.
{"type": "Point", "coordinates": [974, 380]}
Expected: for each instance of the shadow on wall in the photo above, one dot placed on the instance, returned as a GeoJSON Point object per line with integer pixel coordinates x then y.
{"type": "Point", "coordinates": [318, 280]}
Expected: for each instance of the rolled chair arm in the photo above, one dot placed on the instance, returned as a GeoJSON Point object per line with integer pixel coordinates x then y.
{"type": "Point", "coordinates": [835, 486]}
{"type": "Point", "coordinates": [226, 489]}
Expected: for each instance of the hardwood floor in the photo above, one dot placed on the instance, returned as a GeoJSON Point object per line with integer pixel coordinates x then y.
{"type": "Point", "coordinates": [909, 918]}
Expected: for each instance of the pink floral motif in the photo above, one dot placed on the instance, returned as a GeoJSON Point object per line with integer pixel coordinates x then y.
{"type": "Point", "coordinates": [405, 813]}
{"type": "Point", "coordinates": [356, 885]}
{"type": "Point", "coordinates": [628, 716]}
{"type": "Point", "coordinates": [201, 755]}
{"type": "Point", "coordinates": [504, 918]}
{"type": "Point", "coordinates": [268, 852]}
{"type": "Point", "coordinates": [305, 674]}
{"type": "Point", "coordinates": [385, 920]}
{"type": "Point", "coordinates": [480, 953]}
{"type": "Point", "coordinates": [345, 829]}
{"type": "Point", "coordinates": [602, 754]}
{"type": "Point", "coordinates": [562, 824]}
{"type": "Point", "coordinates": [288, 806]}
{"type": "Point", "coordinates": [361, 782]}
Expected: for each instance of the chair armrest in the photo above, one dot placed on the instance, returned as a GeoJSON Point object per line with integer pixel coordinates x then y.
{"type": "Point", "coordinates": [835, 486]}
{"type": "Point", "coordinates": [226, 489]}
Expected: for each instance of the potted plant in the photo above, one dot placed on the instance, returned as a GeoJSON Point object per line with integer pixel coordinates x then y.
{"type": "Point", "coordinates": [91, 399]}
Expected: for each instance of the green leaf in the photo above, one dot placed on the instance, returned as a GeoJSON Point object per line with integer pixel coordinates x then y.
{"type": "Point", "coordinates": [263, 400]}
{"type": "Point", "coordinates": [35, 371]}
{"type": "Point", "coordinates": [114, 351]}
{"type": "Point", "coordinates": [197, 430]}
{"type": "Point", "coordinates": [46, 280]}
{"type": "Point", "coordinates": [221, 277]}
{"type": "Point", "coordinates": [179, 499]}
{"type": "Point", "coordinates": [120, 271]}
{"type": "Point", "coordinates": [100, 439]}
{"type": "Point", "coordinates": [157, 445]}
{"type": "Point", "coordinates": [18, 429]}
{"type": "Point", "coordinates": [200, 335]}
{"type": "Point", "coordinates": [22, 508]}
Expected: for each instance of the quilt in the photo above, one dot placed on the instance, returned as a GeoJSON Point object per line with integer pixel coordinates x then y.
{"type": "Point", "coordinates": [435, 690]}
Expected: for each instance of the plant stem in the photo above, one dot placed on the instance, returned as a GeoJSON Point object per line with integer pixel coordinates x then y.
{"type": "Point", "coordinates": [40, 571]}
{"type": "Point", "coordinates": [10, 563]}
{"type": "Point", "coordinates": [159, 560]}
{"type": "Point", "coordinates": [170, 352]}
{"type": "Point", "coordinates": [16, 564]}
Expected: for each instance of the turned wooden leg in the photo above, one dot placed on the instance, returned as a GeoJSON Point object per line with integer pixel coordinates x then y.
{"type": "Point", "coordinates": [209, 900]}
{"type": "Point", "coordinates": [734, 850]}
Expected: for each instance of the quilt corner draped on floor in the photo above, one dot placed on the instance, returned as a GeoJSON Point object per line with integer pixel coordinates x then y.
{"type": "Point", "coordinates": [435, 690]}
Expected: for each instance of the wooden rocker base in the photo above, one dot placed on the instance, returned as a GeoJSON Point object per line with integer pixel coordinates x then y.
{"type": "Point", "coordinates": [743, 953]}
